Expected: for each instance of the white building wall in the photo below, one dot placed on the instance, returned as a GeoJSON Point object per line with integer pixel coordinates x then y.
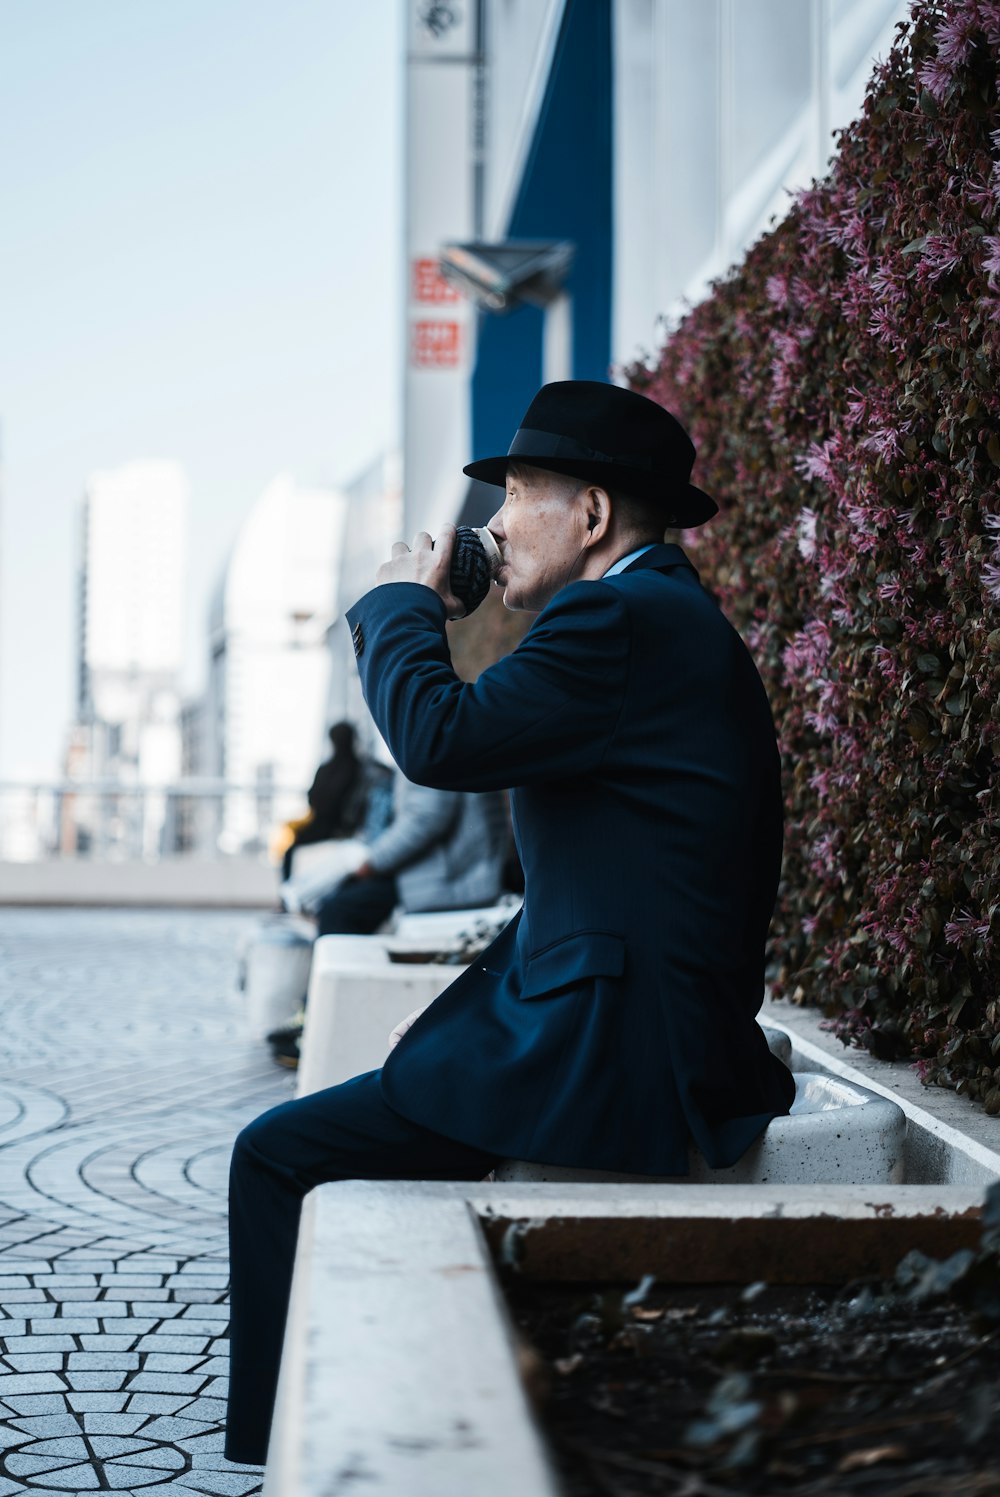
{"type": "Point", "coordinates": [133, 541]}
{"type": "Point", "coordinates": [133, 565]}
{"type": "Point", "coordinates": [722, 108]}
{"type": "Point", "coordinates": [520, 39]}
{"type": "Point", "coordinates": [269, 679]}
{"type": "Point", "coordinates": [134, 561]}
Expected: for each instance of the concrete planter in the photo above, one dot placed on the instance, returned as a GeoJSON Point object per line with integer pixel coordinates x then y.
{"type": "Point", "coordinates": [836, 1133]}
{"type": "Point", "coordinates": [399, 1373]}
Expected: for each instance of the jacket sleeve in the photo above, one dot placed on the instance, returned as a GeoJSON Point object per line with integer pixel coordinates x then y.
{"type": "Point", "coordinates": [548, 709]}
{"type": "Point", "coordinates": [424, 819]}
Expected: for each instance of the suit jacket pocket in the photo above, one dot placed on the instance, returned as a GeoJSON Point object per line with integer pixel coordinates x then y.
{"type": "Point", "coordinates": [585, 953]}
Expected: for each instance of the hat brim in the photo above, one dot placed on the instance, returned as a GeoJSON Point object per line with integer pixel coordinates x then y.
{"type": "Point", "coordinates": [688, 506]}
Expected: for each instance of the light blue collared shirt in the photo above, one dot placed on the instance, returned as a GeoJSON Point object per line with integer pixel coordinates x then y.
{"type": "Point", "coordinates": [624, 561]}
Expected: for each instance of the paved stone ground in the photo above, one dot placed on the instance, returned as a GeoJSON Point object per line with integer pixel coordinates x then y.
{"type": "Point", "coordinates": [126, 1076]}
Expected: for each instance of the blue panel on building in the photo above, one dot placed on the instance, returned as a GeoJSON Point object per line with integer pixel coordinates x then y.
{"type": "Point", "coordinates": [565, 193]}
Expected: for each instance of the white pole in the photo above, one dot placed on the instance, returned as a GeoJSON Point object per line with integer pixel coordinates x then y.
{"type": "Point", "coordinates": [557, 339]}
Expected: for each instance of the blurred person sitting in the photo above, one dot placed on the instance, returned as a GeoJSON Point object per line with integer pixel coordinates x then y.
{"type": "Point", "coordinates": [336, 797]}
{"type": "Point", "coordinates": [442, 850]}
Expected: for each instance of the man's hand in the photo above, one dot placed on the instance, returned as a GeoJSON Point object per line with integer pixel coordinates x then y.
{"type": "Point", "coordinates": [400, 1029]}
{"type": "Point", "coordinates": [427, 562]}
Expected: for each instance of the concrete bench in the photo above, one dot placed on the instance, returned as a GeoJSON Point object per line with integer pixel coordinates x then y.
{"type": "Point", "coordinates": [440, 928]}
{"type": "Point", "coordinates": [399, 1371]}
{"type": "Point", "coordinates": [358, 993]}
{"type": "Point", "coordinates": [356, 996]}
{"type": "Point", "coordinates": [836, 1133]}
{"type": "Point", "coordinates": [273, 964]}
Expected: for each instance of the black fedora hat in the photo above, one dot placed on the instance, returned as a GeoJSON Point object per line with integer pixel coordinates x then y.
{"type": "Point", "coordinates": [610, 436]}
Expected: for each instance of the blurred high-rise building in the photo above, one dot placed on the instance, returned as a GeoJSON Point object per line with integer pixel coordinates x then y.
{"type": "Point", "coordinates": [374, 500]}
{"type": "Point", "coordinates": [131, 598]}
{"type": "Point", "coordinates": [269, 670]}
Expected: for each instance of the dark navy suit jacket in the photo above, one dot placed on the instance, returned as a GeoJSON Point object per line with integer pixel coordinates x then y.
{"type": "Point", "coordinates": [613, 1020]}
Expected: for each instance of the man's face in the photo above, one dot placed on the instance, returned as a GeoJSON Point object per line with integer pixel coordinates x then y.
{"type": "Point", "coordinates": [541, 531]}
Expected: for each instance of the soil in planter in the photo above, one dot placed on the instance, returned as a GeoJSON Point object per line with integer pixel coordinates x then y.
{"type": "Point", "coordinates": [703, 1390]}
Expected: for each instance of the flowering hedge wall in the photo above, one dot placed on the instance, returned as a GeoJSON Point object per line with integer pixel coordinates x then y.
{"type": "Point", "coordinates": [843, 388]}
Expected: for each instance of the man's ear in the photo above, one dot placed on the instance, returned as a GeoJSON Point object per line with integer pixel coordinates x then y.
{"type": "Point", "coordinates": [598, 513]}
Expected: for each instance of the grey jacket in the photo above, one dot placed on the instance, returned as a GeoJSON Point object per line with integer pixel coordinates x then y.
{"type": "Point", "coordinates": [445, 847]}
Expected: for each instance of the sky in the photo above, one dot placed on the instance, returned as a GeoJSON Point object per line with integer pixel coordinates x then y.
{"type": "Point", "coordinates": [200, 260]}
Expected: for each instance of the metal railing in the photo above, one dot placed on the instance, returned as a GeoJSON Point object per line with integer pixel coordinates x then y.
{"type": "Point", "coordinates": [112, 820]}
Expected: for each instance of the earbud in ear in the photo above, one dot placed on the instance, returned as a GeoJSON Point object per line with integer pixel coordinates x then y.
{"type": "Point", "coordinates": [591, 521]}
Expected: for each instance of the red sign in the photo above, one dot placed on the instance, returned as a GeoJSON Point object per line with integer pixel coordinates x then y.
{"type": "Point", "coordinates": [435, 345]}
{"type": "Point", "coordinates": [427, 284]}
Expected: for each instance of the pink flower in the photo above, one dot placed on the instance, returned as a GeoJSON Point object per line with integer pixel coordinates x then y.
{"type": "Point", "coordinates": [888, 664]}
{"type": "Point", "coordinates": [937, 75]}
{"type": "Point", "coordinates": [776, 288]}
{"type": "Point", "coordinates": [991, 580]}
{"type": "Point", "coordinates": [807, 651]}
{"type": "Point", "coordinates": [819, 781]}
{"type": "Point", "coordinates": [882, 326]}
{"type": "Point", "coordinates": [894, 591]}
{"type": "Point", "coordinates": [983, 194]}
{"type": "Point", "coordinates": [899, 941]}
{"type": "Point", "coordinates": [849, 233]}
{"type": "Point", "coordinates": [954, 40]}
{"type": "Point", "coordinates": [825, 850]}
{"type": "Point", "coordinates": [857, 409]}
{"type": "Point", "coordinates": [889, 290]}
{"type": "Point", "coordinates": [884, 442]}
{"type": "Point", "coordinates": [988, 308]}
{"type": "Point", "coordinates": [817, 462]}
{"type": "Point", "coordinates": [807, 533]}
{"type": "Point", "coordinates": [989, 19]}
{"type": "Point", "coordinates": [940, 256]}
{"type": "Point", "coordinates": [991, 262]}
{"type": "Point", "coordinates": [916, 550]}
{"type": "Point", "coordinates": [963, 926]}
{"type": "Point", "coordinates": [824, 723]}
{"type": "Point", "coordinates": [830, 588]}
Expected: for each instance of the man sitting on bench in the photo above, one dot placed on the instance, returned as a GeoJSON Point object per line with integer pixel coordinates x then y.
{"type": "Point", "coordinates": [613, 1021]}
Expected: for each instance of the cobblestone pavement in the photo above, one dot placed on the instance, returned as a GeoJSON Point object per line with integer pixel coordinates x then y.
{"type": "Point", "coordinates": [126, 1076]}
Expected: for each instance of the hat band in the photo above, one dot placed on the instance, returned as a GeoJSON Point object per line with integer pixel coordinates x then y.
{"type": "Point", "coordinates": [528, 443]}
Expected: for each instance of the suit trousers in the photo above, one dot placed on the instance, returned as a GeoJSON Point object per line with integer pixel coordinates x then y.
{"type": "Point", "coordinates": [346, 1132]}
{"type": "Point", "coordinates": [358, 906]}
